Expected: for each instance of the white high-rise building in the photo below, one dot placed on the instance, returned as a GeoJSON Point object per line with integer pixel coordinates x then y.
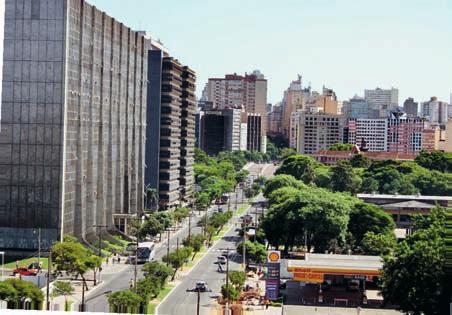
{"type": "Point", "coordinates": [373, 132]}
{"type": "Point", "coordinates": [382, 100]}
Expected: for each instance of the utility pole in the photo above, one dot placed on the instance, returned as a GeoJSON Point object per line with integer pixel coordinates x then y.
{"type": "Point", "coordinates": [255, 223]}
{"type": "Point", "coordinates": [244, 247]}
{"type": "Point", "coordinates": [49, 270]}
{"type": "Point", "coordinates": [39, 247]}
{"type": "Point", "coordinates": [189, 226]}
{"type": "Point", "coordinates": [135, 272]}
{"type": "Point", "coordinates": [236, 197]}
{"type": "Point", "coordinates": [227, 281]}
{"type": "Point", "coordinates": [198, 301]}
{"type": "Point", "coordinates": [100, 245]}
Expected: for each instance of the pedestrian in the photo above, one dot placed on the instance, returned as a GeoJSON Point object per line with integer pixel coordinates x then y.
{"type": "Point", "coordinates": [17, 264]}
{"type": "Point", "coordinates": [119, 259]}
{"type": "Point", "coordinates": [106, 261]}
{"type": "Point", "coordinates": [131, 283]}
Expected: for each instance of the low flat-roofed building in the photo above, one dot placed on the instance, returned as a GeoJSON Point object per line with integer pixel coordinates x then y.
{"type": "Point", "coordinates": [382, 199]}
{"type": "Point", "coordinates": [315, 266]}
{"type": "Point", "coordinates": [401, 211]}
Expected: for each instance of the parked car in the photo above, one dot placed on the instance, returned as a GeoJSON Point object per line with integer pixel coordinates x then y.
{"type": "Point", "coordinates": [201, 286]}
{"type": "Point", "coordinates": [25, 271]}
{"type": "Point", "coordinates": [221, 260]}
{"type": "Point", "coordinates": [225, 253]}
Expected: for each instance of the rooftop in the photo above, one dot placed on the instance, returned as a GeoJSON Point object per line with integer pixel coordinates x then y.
{"type": "Point", "coordinates": [403, 197]}
{"type": "Point", "coordinates": [355, 262]}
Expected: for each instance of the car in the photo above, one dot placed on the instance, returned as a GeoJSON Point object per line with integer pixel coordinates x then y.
{"type": "Point", "coordinates": [25, 271]}
{"type": "Point", "coordinates": [221, 260]}
{"type": "Point", "coordinates": [201, 286]}
{"type": "Point", "coordinates": [225, 253]}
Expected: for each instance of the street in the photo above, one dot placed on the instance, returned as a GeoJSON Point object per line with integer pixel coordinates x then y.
{"type": "Point", "coordinates": [121, 280]}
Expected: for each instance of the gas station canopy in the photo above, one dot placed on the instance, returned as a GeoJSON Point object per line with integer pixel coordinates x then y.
{"type": "Point", "coordinates": [315, 266]}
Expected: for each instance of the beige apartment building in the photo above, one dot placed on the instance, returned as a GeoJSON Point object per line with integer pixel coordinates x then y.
{"type": "Point", "coordinates": [249, 91]}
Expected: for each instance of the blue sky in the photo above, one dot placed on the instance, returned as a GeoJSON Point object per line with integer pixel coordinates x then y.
{"type": "Point", "coordinates": [348, 45]}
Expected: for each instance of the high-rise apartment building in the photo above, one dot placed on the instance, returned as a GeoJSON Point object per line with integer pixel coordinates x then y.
{"type": "Point", "coordinates": [254, 132]}
{"type": "Point", "coordinates": [374, 132]}
{"type": "Point", "coordinates": [73, 118]}
{"type": "Point", "coordinates": [293, 100]}
{"type": "Point", "coordinates": [327, 102]}
{"type": "Point", "coordinates": [170, 131]}
{"type": "Point", "coordinates": [319, 131]}
{"type": "Point", "coordinates": [435, 111]}
{"type": "Point", "coordinates": [275, 120]}
{"type": "Point", "coordinates": [411, 107]}
{"type": "Point", "coordinates": [382, 100]}
{"type": "Point", "coordinates": [294, 125]}
{"type": "Point", "coordinates": [356, 108]}
{"type": "Point", "coordinates": [233, 90]}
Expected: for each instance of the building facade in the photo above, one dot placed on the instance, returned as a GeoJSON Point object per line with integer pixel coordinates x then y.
{"type": "Point", "coordinates": [249, 91]}
{"type": "Point", "coordinates": [435, 111]}
{"type": "Point", "coordinates": [382, 100]}
{"type": "Point", "coordinates": [319, 131]}
{"type": "Point", "coordinates": [411, 107]}
{"type": "Point", "coordinates": [170, 132]}
{"type": "Point", "coordinates": [73, 121]}
{"type": "Point", "coordinates": [374, 132]}
{"type": "Point", "coordinates": [254, 131]}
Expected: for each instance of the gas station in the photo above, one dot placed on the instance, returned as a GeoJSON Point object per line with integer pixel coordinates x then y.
{"type": "Point", "coordinates": [335, 279]}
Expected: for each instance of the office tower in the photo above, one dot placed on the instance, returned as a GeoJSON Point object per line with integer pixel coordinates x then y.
{"type": "Point", "coordinates": [249, 91]}
{"type": "Point", "coordinates": [374, 132]}
{"type": "Point", "coordinates": [435, 111]}
{"type": "Point", "coordinates": [73, 118]}
{"type": "Point", "coordinates": [381, 100]}
{"type": "Point", "coordinates": [222, 130]}
{"type": "Point", "coordinates": [170, 128]}
{"type": "Point", "coordinates": [410, 107]}
{"type": "Point", "coordinates": [319, 131]}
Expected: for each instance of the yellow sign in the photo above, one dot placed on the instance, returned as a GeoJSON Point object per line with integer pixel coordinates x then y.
{"type": "Point", "coordinates": [274, 256]}
{"type": "Point", "coordinates": [311, 277]}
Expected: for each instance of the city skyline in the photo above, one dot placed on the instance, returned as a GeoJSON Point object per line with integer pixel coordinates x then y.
{"type": "Point", "coordinates": [343, 45]}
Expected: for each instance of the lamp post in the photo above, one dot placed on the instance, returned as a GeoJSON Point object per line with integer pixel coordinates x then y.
{"type": "Point", "coordinates": [39, 245]}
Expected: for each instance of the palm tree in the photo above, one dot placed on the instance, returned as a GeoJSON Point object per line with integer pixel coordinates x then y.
{"type": "Point", "coordinates": [152, 196]}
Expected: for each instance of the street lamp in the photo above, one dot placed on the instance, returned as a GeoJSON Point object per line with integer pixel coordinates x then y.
{"type": "Point", "coordinates": [39, 245]}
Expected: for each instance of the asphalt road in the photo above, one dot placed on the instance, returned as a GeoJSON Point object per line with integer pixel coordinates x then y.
{"type": "Point", "coordinates": [121, 281]}
{"type": "Point", "coordinates": [180, 301]}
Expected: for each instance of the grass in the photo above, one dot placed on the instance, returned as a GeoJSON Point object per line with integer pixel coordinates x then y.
{"type": "Point", "coordinates": [153, 304]}
{"type": "Point", "coordinates": [26, 262]}
{"type": "Point", "coordinates": [242, 209]}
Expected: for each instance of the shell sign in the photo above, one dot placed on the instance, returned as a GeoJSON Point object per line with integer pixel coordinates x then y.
{"type": "Point", "coordinates": [274, 256]}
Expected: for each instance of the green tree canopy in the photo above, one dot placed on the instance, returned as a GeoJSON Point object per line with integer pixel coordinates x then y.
{"type": "Point", "coordinates": [279, 181]}
{"type": "Point", "coordinates": [414, 277]}
{"type": "Point", "coordinates": [341, 147]}
{"type": "Point", "coordinates": [301, 167]}
{"type": "Point", "coordinates": [435, 160]}
{"type": "Point", "coordinates": [343, 178]}
{"type": "Point", "coordinates": [155, 269]}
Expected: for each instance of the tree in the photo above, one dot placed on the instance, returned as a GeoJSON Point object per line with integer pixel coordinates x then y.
{"type": "Point", "coordinates": [382, 244]}
{"type": "Point", "coordinates": [230, 291]}
{"type": "Point", "coordinates": [301, 167]}
{"type": "Point", "coordinates": [70, 256]}
{"type": "Point", "coordinates": [158, 270]}
{"type": "Point", "coordinates": [435, 160]}
{"type": "Point", "coordinates": [24, 290]}
{"type": "Point", "coordinates": [369, 185]}
{"type": "Point", "coordinates": [151, 227]}
{"type": "Point", "coordinates": [202, 200]}
{"type": "Point", "coordinates": [196, 242]}
{"type": "Point", "coordinates": [152, 197]}
{"type": "Point", "coordinates": [341, 147]}
{"type": "Point", "coordinates": [63, 288]}
{"type": "Point", "coordinates": [148, 288]}
{"type": "Point", "coordinates": [366, 217]}
{"type": "Point", "coordinates": [414, 277]}
{"type": "Point", "coordinates": [360, 160]}
{"type": "Point", "coordinates": [282, 180]}
{"type": "Point", "coordinates": [343, 178]}
{"type": "Point", "coordinates": [124, 301]}
{"type": "Point", "coordinates": [165, 218]}
{"type": "Point", "coordinates": [177, 258]}
{"type": "Point", "coordinates": [255, 252]}
{"type": "Point", "coordinates": [241, 176]}
{"type": "Point", "coordinates": [8, 292]}
{"type": "Point", "coordinates": [237, 279]}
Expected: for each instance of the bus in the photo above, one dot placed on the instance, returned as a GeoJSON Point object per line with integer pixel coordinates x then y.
{"type": "Point", "coordinates": [145, 252]}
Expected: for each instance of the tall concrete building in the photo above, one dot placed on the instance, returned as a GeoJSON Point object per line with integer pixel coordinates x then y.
{"type": "Point", "coordinates": [73, 118]}
{"type": "Point", "coordinates": [170, 132]}
{"type": "Point", "coordinates": [294, 125]}
{"type": "Point", "coordinates": [223, 130]}
{"type": "Point", "coordinates": [249, 91]}
{"type": "Point", "coordinates": [411, 107]}
{"type": "Point", "coordinates": [374, 132]}
{"type": "Point", "coordinates": [435, 111]}
{"type": "Point", "coordinates": [319, 131]}
{"type": "Point", "coordinates": [293, 100]}
{"type": "Point", "coordinates": [382, 100]}
{"type": "Point", "coordinates": [275, 120]}
{"type": "Point", "coordinates": [327, 102]}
